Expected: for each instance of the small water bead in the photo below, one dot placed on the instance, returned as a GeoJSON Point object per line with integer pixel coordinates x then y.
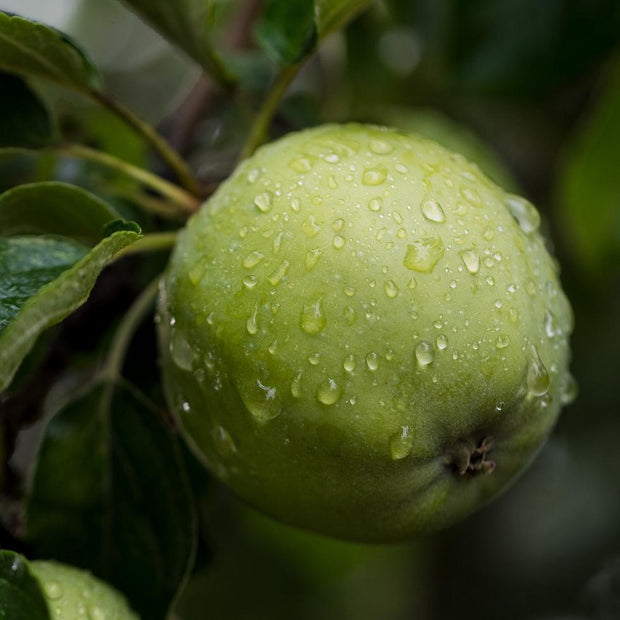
{"type": "Point", "coordinates": [375, 204]}
{"type": "Point", "coordinates": [397, 217]}
{"type": "Point", "coordinates": [424, 353]}
{"type": "Point", "coordinates": [471, 196]}
{"type": "Point", "coordinates": [277, 242]}
{"type": "Point", "coordinates": [487, 261]}
{"type": "Point", "coordinates": [423, 254]}
{"type": "Point", "coordinates": [441, 341]}
{"type": "Point", "coordinates": [349, 291]}
{"type": "Point", "coordinates": [550, 324]}
{"type": "Point", "coordinates": [530, 288]}
{"type": "Point", "coordinates": [277, 275]}
{"type": "Point", "coordinates": [490, 280]}
{"type": "Point", "coordinates": [375, 176]}
{"type": "Point", "coordinates": [263, 202]}
{"type": "Point", "coordinates": [312, 258]}
{"type": "Point", "coordinates": [471, 261]}
{"type": "Point", "coordinates": [96, 613]}
{"type": "Point", "coordinates": [380, 147]}
{"type": "Point", "coordinates": [250, 281]}
{"type": "Point", "coordinates": [196, 273]}
{"type": "Point", "coordinates": [568, 389]}
{"type": "Point", "coordinates": [400, 167]}
{"type": "Point", "coordinates": [524, 212]}
{"type": "Point", "coordinates": [310, 227]}
{"type": "Point", "coordinates": [314, 358]}
{"type": "Point", "coordinates": [338, 225]}
{"type": "Point", "coordinates": [301, 164]}
{"type": "Point", "coordinates": [350, 315]}
{"type": "Point", "coordinates": [339, 242]}
{"type": "Point", "coordinates": [432, 211]}
{"type": "Point", "coordinates": [295, 205]}
{"type": "Point", "coordinates": [53, 590]}
{"type": "Point", "coordinates": [401, 233]}
{"type": "Point", "coordinates": [412, 284]}
{"type": "Point", "coordinates": [372, 361]}
{"type": "Point", "coordinates": [253, 259]}
{"type": "Point", "coordinates": [401, 444]}
{"type": "Point", "coordinates": [180, 350]}
{"type": "Point", "coordinates": [488, 234]}
{"type": "Point", "coordinates": [296, 385]}
{"type": "Point", "coordinates": [312, 318]}
{"type": "Point", "coordinates": [328, 392]}
{"type": "Point", "coordinates": [253, 175]}
{"type": "Point", "coordinates": [349, 363]}
{"type": "Point", "coordinates": [390, 288]}
{"type": "Point", "coordinates": [537, 375]}
{"type": "Point", "coordinates": [332, 158]}
{"type": "Point", "coordinates": [224, 443]}
{"type": "Point", "coordinates": [252, 322]}
{"type": "Point", "coordinates": [502, 341]}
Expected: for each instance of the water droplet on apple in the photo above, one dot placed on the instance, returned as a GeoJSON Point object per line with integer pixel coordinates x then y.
{"type": "Point", "coordinates": [471, 261]}
{"type": "Point", "coordinates": [423, 254]}
{"type": "Point", "coordinates": [424, 353]}
{"type": "Point", "coordinates": [312, 318]}
{"type": "Point", "coordinates": [375, 175]}
{"type": "Point", "coordinates": [401, 444]}
{"type": "Point", "coordinates": [432, 211]}
{"type": "Point", "coordinates": [328, 392]}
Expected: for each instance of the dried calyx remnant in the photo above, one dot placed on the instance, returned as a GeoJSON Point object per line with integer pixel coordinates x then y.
{"type": "Point", "coordinates": [470, 459]}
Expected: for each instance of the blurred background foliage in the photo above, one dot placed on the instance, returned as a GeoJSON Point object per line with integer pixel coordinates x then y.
{"type": "Point", "coordinates": [528, 89]}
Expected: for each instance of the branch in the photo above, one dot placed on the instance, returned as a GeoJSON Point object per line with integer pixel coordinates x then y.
{"type": "Point", "coordinates": [178, 196]}
{"type": "Point", "coordinates": [262, 120]}
{"type": "Point", "coordinates": [185, 175]}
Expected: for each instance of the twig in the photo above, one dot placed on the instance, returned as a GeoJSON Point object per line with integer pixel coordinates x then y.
{"type": "Point", "coordinates": [202, 96]}
{"type": "Point", "coordinates": [128, 325]}
{"type": "Point", "coordinates": [181, 198]}
{"type": "Point", "coordinates": [268, 108]}
{"type": "Point", "coordinates": [185, 175]}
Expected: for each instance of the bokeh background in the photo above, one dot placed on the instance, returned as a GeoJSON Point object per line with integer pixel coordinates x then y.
{"type": "Point", "coordinates": [530, 90]}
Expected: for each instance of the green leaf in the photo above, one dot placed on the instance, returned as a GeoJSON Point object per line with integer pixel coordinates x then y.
{"type": "Point", "coordinates": [20, 593]}
{"type": "Point", "coordinates": [29, 263]}
{"type": "Point", "coordinates": [186, 24]}
{"type": "Point", "coordinates": [589, 185]}
{"type": "Point", "coordinates": [24, 120]}
{"type": "Point", "coordinates": [54, 208]}
{"type": "Point", "coordinates": [30, 48]}
{"type": "Point", "coordinates": [334, 14]}
{"type": "Point", "coordinates": [290, 31]}
{"type": "Point", "coordinates": [124, 509]}
{"type": "Point", "coordinates": [54, 301]}
{"type": "Point", "coordinates": [287, 31]}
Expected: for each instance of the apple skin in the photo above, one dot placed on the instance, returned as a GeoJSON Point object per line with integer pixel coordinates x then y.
{"type": "Point", "coordinates": [74, 594]}
{"type": "Point", "coordinates": [362, 335]}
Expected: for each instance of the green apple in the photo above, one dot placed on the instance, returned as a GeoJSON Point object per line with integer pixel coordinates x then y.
{"type": "Point", "coordinates": [362, 335]}
{"type": "Point", "coordinates": [74, 594]}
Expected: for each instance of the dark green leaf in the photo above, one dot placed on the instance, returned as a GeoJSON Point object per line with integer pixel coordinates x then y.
{"type": "Point", "coordinates": [124, 509]}
{"type": "Point", "coordinates": [54, 301]}
{"type": "Point", "coordinates": [27, 264]}
{"type": "Point", "coordinates": [589, 186]}
{"type": "Point", "coordinates": [119, 225]}
{"type": "Point", "coordinates": [287, 31]}
{"type": "Point", "coordinates": [24, 121]}
{"type": "Point", "coordinates": [54, 208]}
{"type": "Point", "coordinates": [333, 14]}
{"type": "Point", "coordinates": [186, 24]}
{"type": "Point", "coordinates": [20, 593]}
{"type": "Point", "coordinates": [30, 48]}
